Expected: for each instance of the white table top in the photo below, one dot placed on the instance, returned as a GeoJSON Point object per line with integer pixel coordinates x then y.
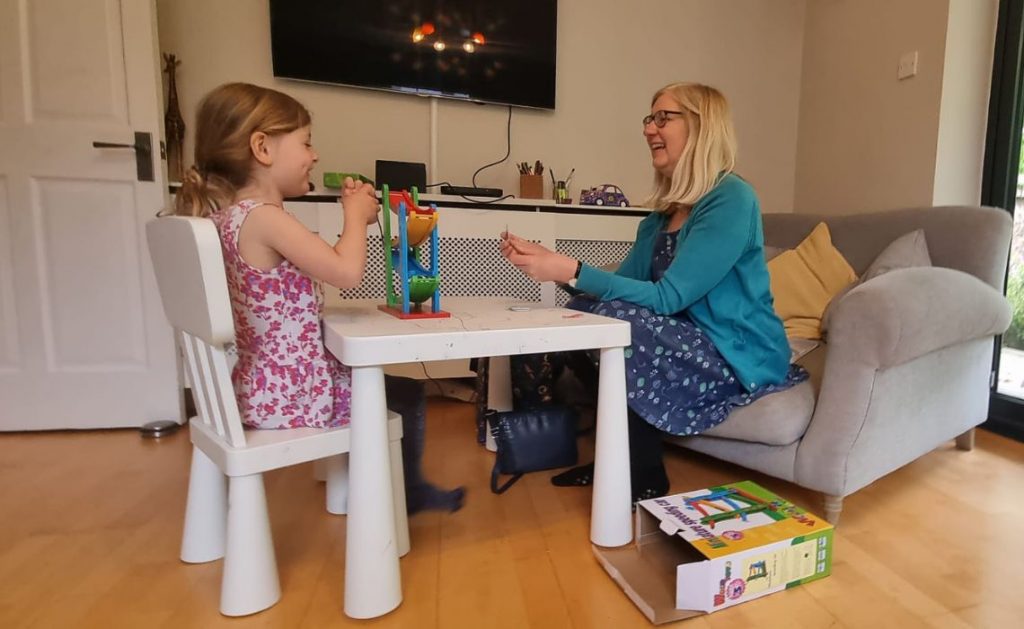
{"type": "Point", "coordinates": [359, 334]}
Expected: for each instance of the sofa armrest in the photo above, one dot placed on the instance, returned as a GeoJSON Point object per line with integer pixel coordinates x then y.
{"type": "Point", "coordinates": [907, 313]}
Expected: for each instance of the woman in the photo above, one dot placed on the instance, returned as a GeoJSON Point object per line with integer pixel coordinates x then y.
{"type": "Point", "coordinates": [694, 287]}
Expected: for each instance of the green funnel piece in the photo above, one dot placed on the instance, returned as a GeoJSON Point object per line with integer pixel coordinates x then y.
{"type": "Point", "coordinates": [421, 288]}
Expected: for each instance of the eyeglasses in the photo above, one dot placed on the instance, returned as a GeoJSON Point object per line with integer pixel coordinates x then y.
{"type": "Point", "coordinates": [660, 117]}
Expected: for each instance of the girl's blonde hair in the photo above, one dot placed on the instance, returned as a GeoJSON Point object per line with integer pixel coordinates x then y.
{"type": "Point", "coordinates": [227, 118]}
{"type": "Point", "coordinates": [710, 151]}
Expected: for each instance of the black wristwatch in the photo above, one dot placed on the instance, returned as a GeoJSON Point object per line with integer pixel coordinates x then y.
{"type": "Point", "coordinates": [579, 267]}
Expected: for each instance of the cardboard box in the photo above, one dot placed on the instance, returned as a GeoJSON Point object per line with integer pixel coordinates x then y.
{"type": "Point", "coordinates": [705, 550]}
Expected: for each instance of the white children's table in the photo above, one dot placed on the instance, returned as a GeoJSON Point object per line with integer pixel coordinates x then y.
{"type": "Point", "coordinates": [366, 339]}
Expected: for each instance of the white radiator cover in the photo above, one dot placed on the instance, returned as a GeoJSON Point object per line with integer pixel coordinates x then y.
{"type": "Point", "coordinates": [470, 264]}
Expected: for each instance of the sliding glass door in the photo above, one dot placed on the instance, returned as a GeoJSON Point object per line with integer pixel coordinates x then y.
{"type": "Point", "coordinates": [1002, 187]}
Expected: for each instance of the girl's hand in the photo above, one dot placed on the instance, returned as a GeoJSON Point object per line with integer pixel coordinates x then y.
{"type": "Point", "coordinates": [359, 202]}
{"type": "Point", "coordinates": [537, 261]}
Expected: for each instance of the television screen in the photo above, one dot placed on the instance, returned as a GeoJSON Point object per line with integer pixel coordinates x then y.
{"type": "Point", "coordinates": [479, 50]}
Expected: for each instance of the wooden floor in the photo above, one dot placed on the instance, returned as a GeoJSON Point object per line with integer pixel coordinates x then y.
{"type": "Point", "coordinates": [90, 525]}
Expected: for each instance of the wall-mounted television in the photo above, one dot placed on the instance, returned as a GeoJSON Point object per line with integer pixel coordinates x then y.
{"type": "Point", "coordinates": [495, 51]}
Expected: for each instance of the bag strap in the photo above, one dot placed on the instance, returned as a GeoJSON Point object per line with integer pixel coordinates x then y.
{"type": "Point", "coordinates": [494, 480]}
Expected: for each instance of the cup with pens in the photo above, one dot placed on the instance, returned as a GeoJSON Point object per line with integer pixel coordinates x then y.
{"type": "Point", "coordinates": [531, 180]}
{"type": "Point", "coordinates": [560, 188]}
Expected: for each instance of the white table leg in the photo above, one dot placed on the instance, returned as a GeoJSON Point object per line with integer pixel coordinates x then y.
{"type": "Point", "coordinates": [499, 391]}
{"type": "Point", "coordinates": [610, 518]}
{"type": "Point", "coordinates": [373, 585]}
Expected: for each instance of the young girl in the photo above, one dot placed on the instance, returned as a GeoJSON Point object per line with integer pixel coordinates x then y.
{"type": "Point", "coordinates": [252, 150]}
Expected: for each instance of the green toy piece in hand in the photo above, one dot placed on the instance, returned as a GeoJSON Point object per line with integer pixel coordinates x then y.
{"type": "Point", "coordinates": [337, 180]}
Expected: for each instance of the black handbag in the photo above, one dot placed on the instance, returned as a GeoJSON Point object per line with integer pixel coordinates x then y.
{"type": "Point", "coordinates": [530, 441]}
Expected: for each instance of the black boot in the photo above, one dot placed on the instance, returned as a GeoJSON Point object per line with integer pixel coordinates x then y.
{"type": "Point", "coordinates": [647, 469]}
{"type": "Point", "coordinates": [646, 464]}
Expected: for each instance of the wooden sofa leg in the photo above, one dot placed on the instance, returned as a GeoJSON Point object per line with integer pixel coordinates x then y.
{"type": "Point", "coordinates": [833, 507]}
{"type": "Point", "coordinates": [965, 441]}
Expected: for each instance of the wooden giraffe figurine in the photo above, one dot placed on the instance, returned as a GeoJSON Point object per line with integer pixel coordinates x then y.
{"type": "Point", "coordinates": [174, 124]}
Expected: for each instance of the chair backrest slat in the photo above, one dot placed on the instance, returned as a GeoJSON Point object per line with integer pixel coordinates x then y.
{"type": "Point", "coordinates": [190, 273]}
{"type": "Point", "coordinates": [199, 390]}
{"type": "Point", "coordinates": [214, 417]}
{"type": "Point", "coordinates": [227, 405]}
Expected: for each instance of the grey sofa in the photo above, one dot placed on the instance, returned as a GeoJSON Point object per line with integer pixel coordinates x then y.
{"type": "Point", "coordinates": [907, 363]}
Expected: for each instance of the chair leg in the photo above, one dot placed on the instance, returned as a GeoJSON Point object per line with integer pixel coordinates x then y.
{"type": "Point", "coordinates": [833, 507]}
{"type": "Point", "coordinates": [965, 441]}
{"type": "Point", "coordinates": [206, 511]}
{"type": "Point", "coordinates": [398, 490]}
{"type": "Point", "coordinates": [320, 470]}
{"type": "Point", "coordinates": [337, 483]}
{"type": "Point", "coordinates": [250, 581]}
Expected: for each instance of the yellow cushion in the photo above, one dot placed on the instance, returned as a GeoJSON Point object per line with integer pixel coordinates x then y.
{"type": "Point", "coordinates": [805, 279]}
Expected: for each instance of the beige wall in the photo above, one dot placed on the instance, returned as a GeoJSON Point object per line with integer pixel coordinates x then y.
{"type": "Point", "coordinates": [866, 140]}
{"type": "Point", "coordinates": [611, 56]}
{"type": "Point", "coordinates": [963, 115]}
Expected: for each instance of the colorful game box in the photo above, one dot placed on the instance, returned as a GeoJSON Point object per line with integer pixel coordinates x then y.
{"type": "Point", "coordinates": [705, 550]}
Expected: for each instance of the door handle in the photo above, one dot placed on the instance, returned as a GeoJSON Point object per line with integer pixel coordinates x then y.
{"type": "Point", "coordinates": [143, 148]}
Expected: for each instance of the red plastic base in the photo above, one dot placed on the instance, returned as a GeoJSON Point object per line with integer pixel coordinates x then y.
{"type": "Point", "coordinates": [415, 314]}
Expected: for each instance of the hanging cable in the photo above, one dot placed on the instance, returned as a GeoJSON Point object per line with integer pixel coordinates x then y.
{"type": "Point", "coordinates": [508, 151]}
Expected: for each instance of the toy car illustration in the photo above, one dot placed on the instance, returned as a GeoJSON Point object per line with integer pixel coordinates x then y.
{"type": "Point", "coordinates": [605, 194]}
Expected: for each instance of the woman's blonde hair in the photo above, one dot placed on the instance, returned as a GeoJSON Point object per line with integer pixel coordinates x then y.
{"type": "Point", "coordinates": [710, 151]}
{"type": "Point", "coordinates": [227, 118]}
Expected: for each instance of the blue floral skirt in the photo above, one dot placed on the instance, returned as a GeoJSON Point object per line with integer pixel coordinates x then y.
{"type": "Point", "coordinates": [675, 377]}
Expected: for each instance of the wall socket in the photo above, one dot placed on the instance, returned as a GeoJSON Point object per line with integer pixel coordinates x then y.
{"type": "Point", "coordinates": [908, 66]}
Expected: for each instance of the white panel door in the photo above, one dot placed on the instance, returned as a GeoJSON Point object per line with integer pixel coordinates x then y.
{"type": "Point", "coordinates": [83, 339]}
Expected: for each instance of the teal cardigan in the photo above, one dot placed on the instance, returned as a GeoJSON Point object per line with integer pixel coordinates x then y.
{"type": "Point", "coordinates": [718, 278]}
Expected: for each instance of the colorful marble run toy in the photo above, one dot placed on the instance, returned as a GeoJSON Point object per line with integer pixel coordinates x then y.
{"type": "Point", "coordinates": [415, 283]}
{"type": "Point", "coordinates": [739, 503]}
{"type": "Point", "coordinates": [757, 570]}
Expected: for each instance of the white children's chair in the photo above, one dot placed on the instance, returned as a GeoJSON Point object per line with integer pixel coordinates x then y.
{"type": "Point", "coordinates": [226, 513]}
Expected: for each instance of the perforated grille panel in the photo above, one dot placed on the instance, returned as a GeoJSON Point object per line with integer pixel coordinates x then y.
{"type": "Point", "coordinates": [470, 267]}
{"type": "Point", "coordinates": [473, 267]}
{"type": "Point", "coordinates": [593, 252]}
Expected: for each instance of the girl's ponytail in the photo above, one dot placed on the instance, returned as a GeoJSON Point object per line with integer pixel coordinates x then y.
{"type": "Point", "coordinates": [201, 195]}
{"type": "Point", "coordinates": [191, 199]}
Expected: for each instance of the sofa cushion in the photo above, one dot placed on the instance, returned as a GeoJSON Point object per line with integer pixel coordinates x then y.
{"type": "Point", "coordinates": [804, 280]}
{"type": "Point", "coordinates": [799, 347]}
{"type": "Point", "coordinates": [777, 419]}
{"type": "Point", "coordinates": [908, 251]}
{"type": "Point", "coordinates": [770, 252]}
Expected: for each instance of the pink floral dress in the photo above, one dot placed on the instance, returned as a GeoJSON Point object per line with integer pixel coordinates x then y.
{"type": "Point", "coordinates": [284, 377]}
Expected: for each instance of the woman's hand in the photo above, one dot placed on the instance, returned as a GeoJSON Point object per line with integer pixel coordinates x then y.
{"type": "Point", "coordinates": [359, 202]}
{"type": "Point", "coordinates": [537, 261]}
